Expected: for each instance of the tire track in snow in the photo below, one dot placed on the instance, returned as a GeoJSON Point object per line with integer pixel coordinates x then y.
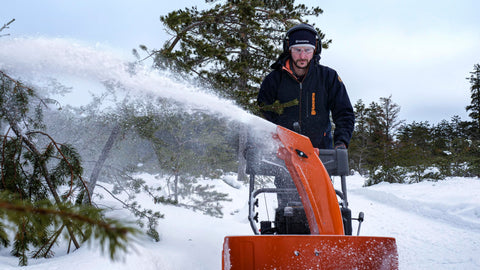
{"type": "Point", "coordinates": [426, 239]}
{"type": "Point", "coordinates": [433, 211]}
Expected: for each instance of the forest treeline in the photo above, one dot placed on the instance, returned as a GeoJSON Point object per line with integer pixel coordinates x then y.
{"type": "Point", "coordinates": [386, 149]}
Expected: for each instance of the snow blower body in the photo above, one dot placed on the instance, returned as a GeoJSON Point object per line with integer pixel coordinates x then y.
{"type": "Point", "coordinates": [312, 223]}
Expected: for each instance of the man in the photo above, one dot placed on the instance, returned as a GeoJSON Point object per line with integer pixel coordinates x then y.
{"type": "Point", "coordinates": [300, 94]}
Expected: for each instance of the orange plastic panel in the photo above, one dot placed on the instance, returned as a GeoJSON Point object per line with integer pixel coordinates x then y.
{"type": "Point", "coordinates": [309, 252]}
{"type": "Point", "coordinates": [312, 181]}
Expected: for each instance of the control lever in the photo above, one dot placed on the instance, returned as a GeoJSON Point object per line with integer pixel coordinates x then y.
{"type": "Point", "coordinates": [360, 218]}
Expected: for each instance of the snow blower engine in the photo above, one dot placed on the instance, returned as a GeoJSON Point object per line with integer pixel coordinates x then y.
{"type": "Point", "coordinates": [300, 221]}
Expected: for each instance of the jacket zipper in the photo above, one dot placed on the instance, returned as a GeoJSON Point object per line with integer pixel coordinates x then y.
{"type": "Point", "coordinates": [300, 106]}
{"type": "Point", "coordinates": [301, 93]}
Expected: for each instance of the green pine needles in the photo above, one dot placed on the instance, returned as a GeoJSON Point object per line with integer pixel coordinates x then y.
{"type": "Point", "coordinates": [41, 183]}
{"type": "Point", "coordinates": [229, 48]}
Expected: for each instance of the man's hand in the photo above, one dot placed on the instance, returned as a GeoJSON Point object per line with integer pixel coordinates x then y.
{"type": "Point", "coordinates": [340, 145]}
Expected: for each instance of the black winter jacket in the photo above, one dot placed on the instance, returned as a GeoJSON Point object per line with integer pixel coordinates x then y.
{"type": "Point", "coordinates": [284, 100]}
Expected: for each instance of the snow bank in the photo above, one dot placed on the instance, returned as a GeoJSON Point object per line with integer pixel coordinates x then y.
{"type": "Point", "coordinates": [436, 225]}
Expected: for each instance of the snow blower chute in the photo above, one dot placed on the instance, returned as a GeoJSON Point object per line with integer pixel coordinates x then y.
{"type": "Point", "coordinates": [312, 224]}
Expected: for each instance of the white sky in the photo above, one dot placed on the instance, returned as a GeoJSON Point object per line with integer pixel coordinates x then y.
{"type": "Point", "coordinates": [420, 52]}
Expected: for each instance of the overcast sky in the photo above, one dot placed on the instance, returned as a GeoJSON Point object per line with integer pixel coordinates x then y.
{"type": "Point", "coordinates": [419, 52]}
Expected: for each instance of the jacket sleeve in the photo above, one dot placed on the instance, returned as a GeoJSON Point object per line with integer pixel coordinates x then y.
{"type": "Point", "coordinates": [267, 96]}
{"type": "Point", "coordinates": [342, 110]}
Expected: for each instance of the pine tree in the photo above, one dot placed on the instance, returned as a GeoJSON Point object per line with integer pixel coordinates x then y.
{"type": "Point", "coordinates": [188, 145]}
{"type": "Point", "coordinates": [384, 122]}
{"type": "Point", "coordinates": [389, 121]}
{"type": "Point", "coordinates": [231, 46]}
{"type": "Point", "coordinates": [415, 151]}
{"type": "Point", "coordinates": [441, 149]}
{"type": "Point", "coordinates": [112, 149]}
{"type": "Point", "coordinates": [474, 128]}
{"type": "Point", "coordinates": [358, 148]}
{"type": "Point", "coordinates": [39, 182]}
{"type": "Point", "coordinates": [474, 106]}
{"type": "Point", "coordinates": [459, 146]}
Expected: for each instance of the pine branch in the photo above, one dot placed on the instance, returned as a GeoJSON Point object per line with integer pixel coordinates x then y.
{"type": "Point", "coordinates": [181, 33]}
{"type": "Point", "coordinates": [45, 173]}
{"type": "Point", "coordinates": [17, 97]}
{"type": "Point", "coordinates": [52, 241]}
{"type": "Point", "coordinates": [72, 174]}
{"type": "Point", "coordinates": [5, 26]}
{"type": "Point", "coordinates": [104, 229]}
{"type": "Point", "coordinates": [64, 213]}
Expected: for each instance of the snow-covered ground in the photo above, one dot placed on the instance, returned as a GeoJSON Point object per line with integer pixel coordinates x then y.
{"type": "Point", "coordinates": [436, 226]}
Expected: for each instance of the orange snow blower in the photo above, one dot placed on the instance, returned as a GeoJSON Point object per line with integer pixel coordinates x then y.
{"type": "Point", "coordinates": [313, 224]}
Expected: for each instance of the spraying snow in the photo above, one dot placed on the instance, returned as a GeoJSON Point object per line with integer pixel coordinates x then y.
{"type": "Point", "coordinates": [35, 59]}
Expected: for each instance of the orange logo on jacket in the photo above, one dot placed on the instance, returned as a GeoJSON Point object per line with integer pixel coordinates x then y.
{"type": "Point", "coordinates": [313, 112]}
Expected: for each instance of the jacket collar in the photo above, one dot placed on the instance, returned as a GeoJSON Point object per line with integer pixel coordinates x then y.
{"type": "Point", "coordinates": [288, 68]}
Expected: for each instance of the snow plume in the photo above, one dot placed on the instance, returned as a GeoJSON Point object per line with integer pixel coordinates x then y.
{"type": "Point", "coordinates": [39, 58]}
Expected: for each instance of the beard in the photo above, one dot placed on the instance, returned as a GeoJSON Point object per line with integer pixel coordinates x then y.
{"type": "Point", "coordinates": [299, 66]}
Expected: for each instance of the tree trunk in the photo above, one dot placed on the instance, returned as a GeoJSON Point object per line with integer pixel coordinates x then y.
{"type": "Point", "coordinates": [242, 162]}
{"type": "Point", "coordinates": [175, 187]}
{"type": "Point", "coordinates": [100, 162]}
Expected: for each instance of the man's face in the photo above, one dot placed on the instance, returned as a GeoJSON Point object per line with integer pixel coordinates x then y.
{"type": "Point", "coordinates": [301, 56]}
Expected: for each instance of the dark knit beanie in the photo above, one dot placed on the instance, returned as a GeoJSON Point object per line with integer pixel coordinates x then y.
{"type": "Point", "coordinates": [301, 37]}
